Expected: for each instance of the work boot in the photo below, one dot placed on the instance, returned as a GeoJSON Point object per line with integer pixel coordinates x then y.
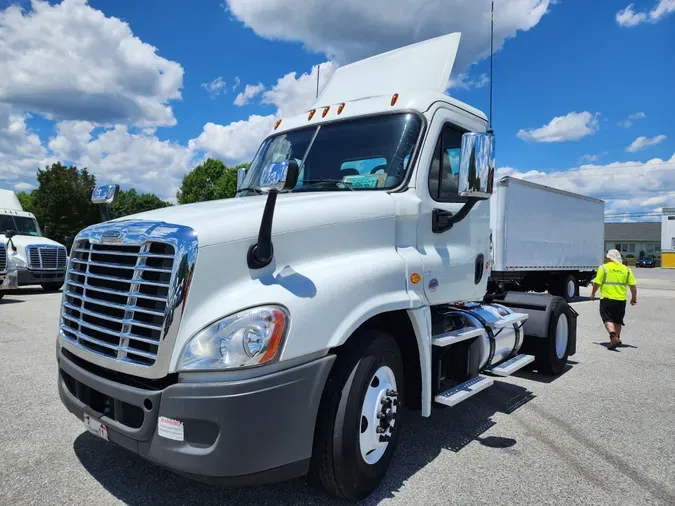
{"type": "Point", "coordinates": [613, 343]}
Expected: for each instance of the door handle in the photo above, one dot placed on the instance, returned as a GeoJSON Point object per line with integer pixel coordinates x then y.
{"type": "Point", "coordinates": [441, 221]}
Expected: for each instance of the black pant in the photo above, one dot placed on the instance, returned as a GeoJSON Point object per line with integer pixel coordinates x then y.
{"type": "Point", "coordinates": [612, 311]}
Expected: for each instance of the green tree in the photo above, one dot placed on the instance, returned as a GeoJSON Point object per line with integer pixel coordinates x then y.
{"type": "Point", "coordinates": [201, 183]}
{"type": "Point", "coordinates": [62, 200]}
{"type": "Point", "coordinates": [131, 202]}
{"type": "Point", "coordinates": [27, 200]}
{"type": "Point", "coordinates": [212, 180]}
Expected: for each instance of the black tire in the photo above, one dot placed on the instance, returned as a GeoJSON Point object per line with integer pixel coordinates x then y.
{"type": "Point", "coordinates": [570, 279]}
{"type": "Point", "coordinates": [547, 360]}
{"type": "Point", "coordinates": [51, 287]}
{"type": "Point", "coordinates": [558, 286]}
{"type": "Point", "coordinates": [337, 465]}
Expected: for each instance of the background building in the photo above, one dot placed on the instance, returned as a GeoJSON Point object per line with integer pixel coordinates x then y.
{"type": "Point", "coordinates": [633, 238]}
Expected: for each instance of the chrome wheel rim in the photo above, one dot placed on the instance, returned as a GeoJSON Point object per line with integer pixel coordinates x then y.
{"type": "Point", "coordinates": [561, 336]}
{"type": "Point", "coordinates": [378, 415]}
{"type": "Point", "coordinates": [570, 288]}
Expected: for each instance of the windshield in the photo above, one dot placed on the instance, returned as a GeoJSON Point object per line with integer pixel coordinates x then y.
{"type": "Point", "coordinates": [362, 153]}
{"type": "Point", "coordinates": [21, 224]}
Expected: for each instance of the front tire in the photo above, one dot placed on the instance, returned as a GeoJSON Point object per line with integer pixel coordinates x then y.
{"type": "Point", "coordinates": [553, 350]}
{"type": "Point", "coordinates": [358, 425]}
{"type": "Point", "coordinates": [51, 287]}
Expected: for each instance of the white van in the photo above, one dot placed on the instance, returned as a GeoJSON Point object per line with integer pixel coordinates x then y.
{"type": "Point", "coordinates": [36, 259]}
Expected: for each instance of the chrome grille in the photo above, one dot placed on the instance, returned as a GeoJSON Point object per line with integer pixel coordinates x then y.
{"type": "Point", "coordinates": [47, 257]}
{"type": "Point", "coordinates": [116, 297]}
{"type": "Point", "coordinates": [3, 258]}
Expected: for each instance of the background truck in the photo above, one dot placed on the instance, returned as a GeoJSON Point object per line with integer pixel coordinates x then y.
{"type": "Point", "coordinates": [544, 239]}
{"type": "Point", "coordinates": [37, 259]}
{"type": "Point", "coordinates": [280, 333]}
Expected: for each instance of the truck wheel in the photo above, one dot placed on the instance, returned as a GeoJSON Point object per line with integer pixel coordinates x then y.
{"type": "Point", "coordinates": [51, 287]}
{"type": "Point", "coordinates": [552, 351]}
{"type": "Point", "coordinates": [571, 288]}
{"type": "Point", "coordinates": [357, 427]}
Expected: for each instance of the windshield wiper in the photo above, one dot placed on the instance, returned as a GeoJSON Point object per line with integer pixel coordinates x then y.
{"type": "Point", "coordinates": [335, 182]}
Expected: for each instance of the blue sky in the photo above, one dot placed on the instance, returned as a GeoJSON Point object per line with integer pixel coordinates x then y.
{"type": "Point", "coordinates": [568, 75]}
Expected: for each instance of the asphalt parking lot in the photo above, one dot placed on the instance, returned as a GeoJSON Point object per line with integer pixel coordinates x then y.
{"type": "Point", "coordinates": [601, 433]}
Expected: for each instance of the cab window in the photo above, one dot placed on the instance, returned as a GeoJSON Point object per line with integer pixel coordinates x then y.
{"type": "Point", "coordinates": [444, 171]}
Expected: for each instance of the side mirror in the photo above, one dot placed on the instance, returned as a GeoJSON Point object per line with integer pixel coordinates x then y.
{"type": "Point", "coordinates": [9, 234]}
{"type": "Point", "coordinates": [279, 176]}
{"type": "Point", "coordinates": [241, 175]}
{"type": "Point", "coordinates": [104, 196]}
{"type": "Point", "coordinates": [477, 165]}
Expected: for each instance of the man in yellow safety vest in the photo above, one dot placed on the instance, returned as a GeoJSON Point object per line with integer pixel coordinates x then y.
{"type": "Point", "coordinates": [612, 279]}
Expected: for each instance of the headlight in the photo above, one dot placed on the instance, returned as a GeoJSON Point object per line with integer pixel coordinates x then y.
{"type": "Point", "coordinates": [16, 261]}
{"type": "Point", "coordinates": [249, 338]}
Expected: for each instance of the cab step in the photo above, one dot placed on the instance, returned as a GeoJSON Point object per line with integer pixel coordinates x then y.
{"type": "Point", "coordinates": [463, 391]}
{"type": "Point", "coordinates": [455, 336]}
{"type": "Point", "coordinates": [510, 319]}
{"type": "Point", "coordinates": [512, 365]}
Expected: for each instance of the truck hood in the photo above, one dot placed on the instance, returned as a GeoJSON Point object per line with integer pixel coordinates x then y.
{"type": "Point", "coordinates": [236, 219]}
{"type": "Point", "coordinates": [21, 241]}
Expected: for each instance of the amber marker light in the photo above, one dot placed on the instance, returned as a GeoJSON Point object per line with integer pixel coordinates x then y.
{"type": "Point", "coordinates": [325, 111]}
{"type": "Point", "coordinates": [276, 125]}
{"type": "Point", "coordinates": [340, 108]}
{"type": "Point", "coordinates": [415, 278]}
{"type": "Point", "coordinates": [394, 99]}
{"type": "Point", "coordinates": [311, 114]}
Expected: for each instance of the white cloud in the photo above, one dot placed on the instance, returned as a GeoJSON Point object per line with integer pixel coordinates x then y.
{"type": "Point", "coordinates": [643, 142]}
{"type": "Point", "coordinates": [571, 127]}
{"type": "Point", "coordinates": [236, 142]}
{"type": "Point", "coordinates": [236, 84]}
{"type": "Point", "coordinates": [294, 95]}
{"type": "Point", "coordinates": [23, 187]}
{"type": "Point", "coordinates": [628, 122]}
{"type": "Point", "coordinates": [21, 151]}
{"type": "Point", "coordinates": [71, 140]}
{"type": "Point", "coordinates": [592, 158]}
{"type": "Point", "coordinates": [250, 92]}
{"type": "Point", "coordinates": [215, 87]}
{"type": "Point", "coordinates": [465, 82]}
{"type": "Point", "coordinates": [116, 155]}
{"type": "Point", "coordinates": [626, 187]}
{"type": "Point", "coordinates": [628, 17]}
{"type": "Point", "coordinates": [70, 62]}
{"type": "Point", "coordinates": [349, 30]}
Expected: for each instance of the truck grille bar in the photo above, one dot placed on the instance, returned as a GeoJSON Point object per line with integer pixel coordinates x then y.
{"type": "Point", "coordinates": [115, 299]}
{"type": "Point", "coordinates": [47, 257]}
{"type": "Point", "coordinates": [3, 258]}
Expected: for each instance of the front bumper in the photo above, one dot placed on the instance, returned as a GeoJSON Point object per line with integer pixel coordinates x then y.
{"type": "Point", "coordinates": [9, 281]}
{"type": "Point", "coordinates": [243, 432]}
{"type": "Point", "coordinates": [34, 277]}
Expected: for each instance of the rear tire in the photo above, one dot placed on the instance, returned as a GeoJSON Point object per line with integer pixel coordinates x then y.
{"type": "Point", "coordinates": [338, 465]}
{"type": "Point", "coordinates": [51, 287]}
{"type": "Point", "coordinates": [552, 352]}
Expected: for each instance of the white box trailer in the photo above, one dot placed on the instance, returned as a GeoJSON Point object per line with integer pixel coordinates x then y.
{"type": "Point", "coordinates": [544, 239]}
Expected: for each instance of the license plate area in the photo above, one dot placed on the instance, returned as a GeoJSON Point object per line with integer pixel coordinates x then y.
{"type": "Point", "coordinates": [95, 427]}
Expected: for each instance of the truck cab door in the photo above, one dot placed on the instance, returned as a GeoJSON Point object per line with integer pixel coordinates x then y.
{"type": "Point", "coordinates": [455, 257]}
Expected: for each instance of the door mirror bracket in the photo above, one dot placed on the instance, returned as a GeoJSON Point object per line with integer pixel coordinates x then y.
{"type": "Point", "coordinates": [442, 220]}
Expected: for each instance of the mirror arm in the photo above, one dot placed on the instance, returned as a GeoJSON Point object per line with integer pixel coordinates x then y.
{"type": "Point", "coordinates": [451, 219]}
{"type": "Point", "coordinates": [261, 253]}
{"type": "Point", "coordinates": [105, 212]}
{"type": "Point", "coordinates": [11, 241]}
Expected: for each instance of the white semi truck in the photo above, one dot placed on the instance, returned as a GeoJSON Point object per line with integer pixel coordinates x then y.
{"type": "Point", "coordinates": [280, 333]}
{"type": "Point", "coordinates": [36, 259]}
{"type": "Point", "coordinates": [544, 239]}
